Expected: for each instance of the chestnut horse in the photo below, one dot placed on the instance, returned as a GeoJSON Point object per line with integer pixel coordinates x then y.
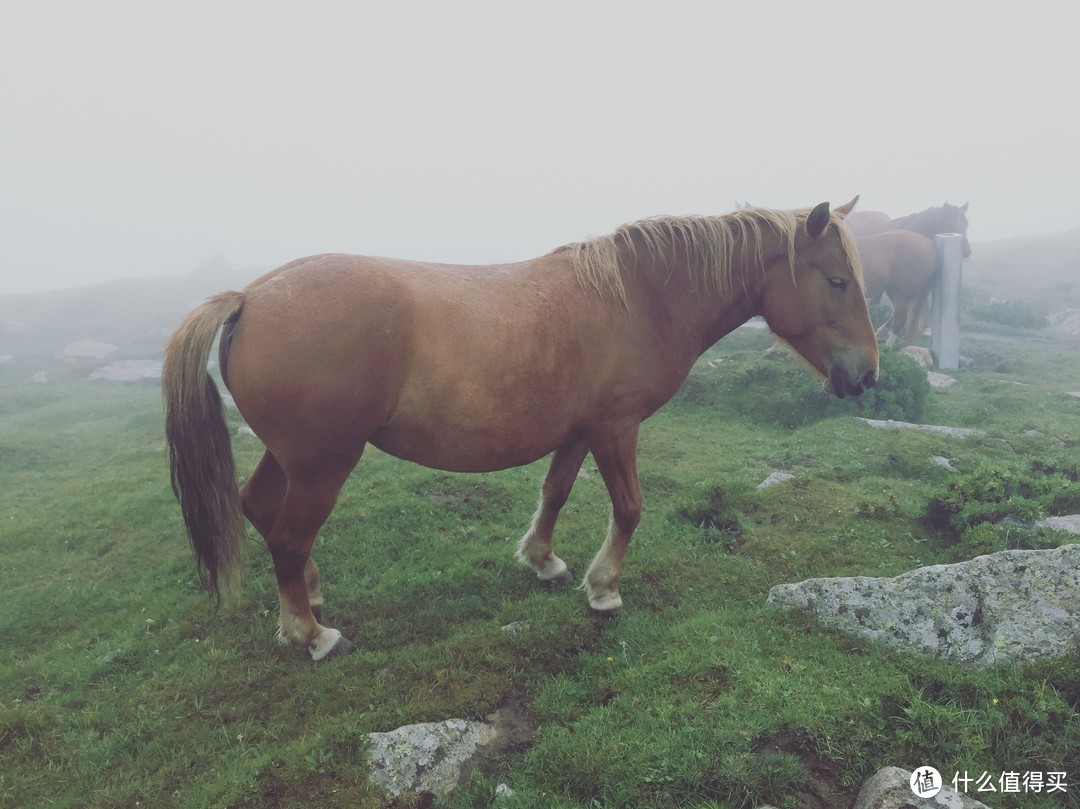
{"type": "Point", "coordinates": [930, 222]}
{"type": "Point", "coordinates": [903, 265]}
{"type": "Point", "coordinates": [484, 368]}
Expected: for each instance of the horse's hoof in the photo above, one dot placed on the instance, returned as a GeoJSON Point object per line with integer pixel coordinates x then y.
{"type": "Point", "coordinates": [332, 644]}
{"type": "Point", "coordinates": [343, 647]}
{"type": "Point", "coordinates": [606, 615]}
{"type": "Point", "coordinates": [608, 607]}
{"type": "Point", "coordinates": [560, 582]}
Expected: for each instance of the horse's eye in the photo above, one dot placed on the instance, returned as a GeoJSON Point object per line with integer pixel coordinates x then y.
{"type": "Point", "coordinates": [838, 283]}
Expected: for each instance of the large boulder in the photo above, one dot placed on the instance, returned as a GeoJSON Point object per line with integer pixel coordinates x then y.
{"type": "Point", "coordinates": [891, 788]}
{"type": "Point", "coordinates": [430, 757]}
{"type": "Point", "coordinates": [436, 757]}
{"type": "Point", "coordinates": [1013, 605]}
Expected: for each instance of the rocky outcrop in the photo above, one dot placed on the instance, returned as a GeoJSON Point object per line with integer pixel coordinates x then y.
{"type": "Point", "coordinates": [1013, 605]}
{"type": "Point", "coordinates": [891, 788]}
{"type": "Point", "coordinates": [774, 478]}
{"type": "Point", "coordinates": [436, 757]}
{"type": "Point", "coordinates": [1070, 523]}
{"type": "Point", "coordinates": [430, 757]}
{"type": "Point", "coordinates": [933, 429]}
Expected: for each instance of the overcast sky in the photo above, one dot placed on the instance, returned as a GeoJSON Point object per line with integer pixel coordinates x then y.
{"type": "Point", "coordinates": [139, 139]}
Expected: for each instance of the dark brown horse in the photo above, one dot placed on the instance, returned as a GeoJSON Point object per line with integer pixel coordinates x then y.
{"type": "Point", "coordinates": [484, 368]}
{"type": "Point", "coordinates": [930, 222]}
{"type": "Point", "coordinates": [903, 265]}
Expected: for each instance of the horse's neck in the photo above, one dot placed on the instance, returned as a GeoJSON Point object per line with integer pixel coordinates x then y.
{"type": "Point", "coordinates": [922, 222]}
{"type": "Point", "coordinates": [693, 303]}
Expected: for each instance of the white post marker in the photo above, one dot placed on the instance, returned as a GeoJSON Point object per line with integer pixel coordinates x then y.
{"type": "Point", "coordinates": [945, 315]}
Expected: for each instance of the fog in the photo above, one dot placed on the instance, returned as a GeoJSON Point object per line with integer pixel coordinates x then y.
{"type": "Point", "coordinates": [137, 140]}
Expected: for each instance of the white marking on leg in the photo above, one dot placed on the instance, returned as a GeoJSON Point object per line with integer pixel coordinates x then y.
{"type": "Point", "coordinates": [601, 581]}
{"type": "Point", "coordinates": [546, 565]}
{"type": "Point", "coordinates": [324, 642]}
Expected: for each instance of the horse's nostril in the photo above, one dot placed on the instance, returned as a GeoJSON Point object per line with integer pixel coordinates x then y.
{"type": "Point", "coordinates": [869, 379]}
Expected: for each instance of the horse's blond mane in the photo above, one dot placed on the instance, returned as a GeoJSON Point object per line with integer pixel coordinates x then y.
{"type": "Point", "coordinates": [709, 244]}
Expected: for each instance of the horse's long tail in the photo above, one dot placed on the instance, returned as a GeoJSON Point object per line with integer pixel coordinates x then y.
{"type": "Point", "coordinates": [200, 452]}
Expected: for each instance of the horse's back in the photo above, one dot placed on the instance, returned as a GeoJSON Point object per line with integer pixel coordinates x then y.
{"type": "Point", "coordinates": [457, 367]}
{"type": "Point", "coordinates": [866, 223]}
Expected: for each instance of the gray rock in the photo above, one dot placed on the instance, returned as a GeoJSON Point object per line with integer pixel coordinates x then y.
{"type": "Point", "coordinates": [919, 354]}
{"type": "Point", "coordinates": [943, 462]}
{"type": "Point", "coordinates": [431, 757]}
{"type": "Point", "coordinates": [1013, 605]}
{"type": "Point", "coordinates": [517, 628]}
{"type": "Point", "coordinates": [1070, 523]}
{"type": "Point", "coordinates": [889, 424]}
{"type": "Point", "coordinates": [1036, 434]}
{"type": "Point", "coordinates": [940, 381]}
{"type": "Point", "coordinates": [774, 478]}
{"type": "Point", "coordinates": [890, 788]}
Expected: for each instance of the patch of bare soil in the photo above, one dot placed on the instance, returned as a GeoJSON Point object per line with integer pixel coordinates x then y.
{"type": "Point", "coordinates": [823, 788]}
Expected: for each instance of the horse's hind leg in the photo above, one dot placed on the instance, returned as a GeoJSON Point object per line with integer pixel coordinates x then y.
{"type": "Point", "coordinates": [261, 499]}
{"type": "Point", "coordinates": [534, 549]}
{"type": "Point", "coordinates": [309, 499]}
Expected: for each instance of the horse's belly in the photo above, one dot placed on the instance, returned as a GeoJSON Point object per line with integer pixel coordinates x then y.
{"type": "Point", "coordinates": [457, 441]}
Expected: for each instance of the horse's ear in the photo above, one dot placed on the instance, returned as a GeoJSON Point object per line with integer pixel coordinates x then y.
{"type": "Point", "coordinates": [844, 210]}
{"type": "Point", "coordinates": [817, 220]}
{"type": "Point", "coordinates": [963, 208]}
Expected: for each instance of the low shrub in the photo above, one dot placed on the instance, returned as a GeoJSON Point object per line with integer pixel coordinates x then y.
{"type": "Point", "coordinates": [992, 494]}
{"type": "Point", "coordinates": [771, 388]}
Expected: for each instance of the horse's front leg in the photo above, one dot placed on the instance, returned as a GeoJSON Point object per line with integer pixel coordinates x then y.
{"type": "Point", "coordinates": [616, 457]}
{"type": "Point", "coordinates": [534, 549]}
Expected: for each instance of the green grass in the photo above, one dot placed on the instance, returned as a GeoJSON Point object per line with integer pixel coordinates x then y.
{"type": "Point", "coordinates": [122, 686]}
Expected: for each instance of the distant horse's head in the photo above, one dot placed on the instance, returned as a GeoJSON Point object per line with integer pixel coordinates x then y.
{"type": "Point", "coordinates": [944, 219]}
{"type": "Point", "coordinates": [953, 219]}
{"type": "Point", "coordinates": [817, 304]}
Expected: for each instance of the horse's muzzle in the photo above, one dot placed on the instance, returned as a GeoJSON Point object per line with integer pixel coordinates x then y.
{"type": "Point", "coordinates": [842, 383]}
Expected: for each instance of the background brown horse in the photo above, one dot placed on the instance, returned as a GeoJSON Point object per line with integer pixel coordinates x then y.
{"type": "Point", "coordinates": [484, 368]}
{"type": "Point", "coordinates": [903, 265]}
{"type": "Point", "coordinates": [929, 222]}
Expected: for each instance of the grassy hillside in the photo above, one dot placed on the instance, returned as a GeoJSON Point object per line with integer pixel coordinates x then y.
{"type": "Point", "coordinates": [122, 686]}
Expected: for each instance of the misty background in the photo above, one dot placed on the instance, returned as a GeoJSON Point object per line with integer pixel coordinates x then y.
{"type": "Point", "coordinates": [143, 141]}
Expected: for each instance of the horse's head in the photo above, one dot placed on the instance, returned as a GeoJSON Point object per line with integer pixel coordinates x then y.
{"type": "Point", "coordinates": [817, 305]}
{"type": "Point", "coordinates": [953, 219]}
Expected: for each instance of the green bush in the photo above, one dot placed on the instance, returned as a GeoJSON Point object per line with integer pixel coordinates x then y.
{"type": "Point", "coordinates": [901, 393]}
{"type": "Point", "coordinates": [991, 494]}
{"type": "Point", "coordinates": [772, 388]}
